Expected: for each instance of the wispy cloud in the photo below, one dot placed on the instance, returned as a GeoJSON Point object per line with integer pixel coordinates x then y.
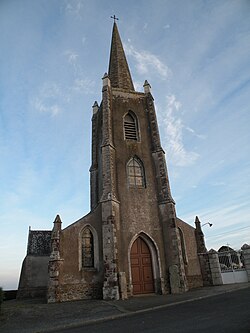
{"type": "Point", "coordinates": [224, 216]}
{"type": "Point", "coordinates": [191, 130]}
{"type": "Point", "coordinates": [71, 56]}
{"type": "Point", "coordinates": [227, 226]}
{"type": "Point", "coordinates": [53, 109]}
{"type": "Point", "coordinates": [218, 184]}
{"type": "Point", "coordinates": [173, 127]}
{"type": "Point", "coordinates": [53, 96]}
{"type": "Point", "coordinates": [73, 60]}
{"type": "Point", "coordinates": [167, 26]}
{"type": "Point", "coordinates": [230, 238]}
{"type": "Point", "coordinates": [74, 8]}
{"type": "Point", "coordinates": [83, 40]}
{"type": "Point", "coordinates": [147, 62]}
{"type": "Point", "coordinates": [85, 86]}
{"type": "Point", "coordinates": [81, 84]}
{"type": "Point", "coordinates": [47, 99]}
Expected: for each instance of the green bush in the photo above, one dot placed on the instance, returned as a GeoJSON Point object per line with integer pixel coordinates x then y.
{"type": "Point", "coordinates": [1, 297]}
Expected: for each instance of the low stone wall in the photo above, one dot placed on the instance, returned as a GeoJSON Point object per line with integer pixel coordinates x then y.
{"type": "Point", "coordinates": [210, 268]}
{"type": "Point", "coordinates": [246, 255]}
{"type": "Point", "coordinates": [9, 294]}
{"type": "Point", "coordinates": [194, 281]}
{"type": "Point", "coordinates": [72, 292]}
{"type": "Point", "coordinates": [32, 292]}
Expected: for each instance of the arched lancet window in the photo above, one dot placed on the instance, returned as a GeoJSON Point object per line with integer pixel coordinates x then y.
{"type": "Point", "coordinates": [135, 172]}
{"type": "Point", "coordinates": [183, 247]}
{"type": "Point", "coordinates": [87, 248]}
{"type": "Point", "coordinates": [130, 127]}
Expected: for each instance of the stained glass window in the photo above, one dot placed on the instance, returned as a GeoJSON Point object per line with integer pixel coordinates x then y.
{"type": "Point", "coordinates": [87, 248]}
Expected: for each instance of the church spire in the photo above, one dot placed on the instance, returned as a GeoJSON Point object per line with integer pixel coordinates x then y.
{"type": "Point", "coordinates": [119, 73]}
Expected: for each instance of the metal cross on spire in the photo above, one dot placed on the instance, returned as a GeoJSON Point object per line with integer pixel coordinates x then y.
{"type": "Point", "coordinates": [114, 17]}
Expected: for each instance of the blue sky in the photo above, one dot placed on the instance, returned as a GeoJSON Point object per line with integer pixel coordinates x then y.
{"type": "Point", "coordinates": [196, 56]}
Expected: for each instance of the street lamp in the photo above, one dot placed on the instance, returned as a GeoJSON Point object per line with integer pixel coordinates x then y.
{"type": "Point", "coordinates": [210, 224]}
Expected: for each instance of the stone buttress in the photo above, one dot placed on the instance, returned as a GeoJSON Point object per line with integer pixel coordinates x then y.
{"type": "Point", "coordinates": [177, 279]}
{"type": "Point", "coordinates": [109, 200]}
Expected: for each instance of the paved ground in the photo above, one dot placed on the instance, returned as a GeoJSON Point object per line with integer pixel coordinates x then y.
{"type": "Point", "coordinates": [32, 316]}
{"type": "Point", "coordinates": [228, 312]}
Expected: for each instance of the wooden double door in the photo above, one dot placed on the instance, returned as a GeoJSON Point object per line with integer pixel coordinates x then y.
{"type": "Point", "coordinates": [141, 268]}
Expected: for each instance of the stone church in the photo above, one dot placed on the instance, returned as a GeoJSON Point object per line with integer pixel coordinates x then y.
{"type": "Point", "coordinates": [131, 242]}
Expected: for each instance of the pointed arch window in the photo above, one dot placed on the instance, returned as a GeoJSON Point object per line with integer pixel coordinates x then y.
{"type": "Point", "coordinates": [135, 172]}
{"type": "Point", "coordinates": [130, 126]}
{"type": "Point", "coordinates": [87, 248]}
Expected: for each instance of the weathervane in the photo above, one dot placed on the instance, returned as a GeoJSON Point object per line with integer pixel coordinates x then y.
{"type": "Point", "coordinates": [114, 17]}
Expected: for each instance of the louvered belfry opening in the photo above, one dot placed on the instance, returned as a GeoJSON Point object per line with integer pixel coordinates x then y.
{"type": "Point", "coordinates": [130, 127]}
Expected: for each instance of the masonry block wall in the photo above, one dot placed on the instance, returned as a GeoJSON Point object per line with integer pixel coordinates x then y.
{"type": "Point", "coordinates": [246, 255]}
{"type": "Point", "coordinates": [192, 263]}
{"type": "Point", "coordinates": [215, 267]}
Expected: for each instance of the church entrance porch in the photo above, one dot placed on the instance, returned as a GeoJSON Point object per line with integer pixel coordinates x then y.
{"type": "Point", "coordinates": [141, 268]}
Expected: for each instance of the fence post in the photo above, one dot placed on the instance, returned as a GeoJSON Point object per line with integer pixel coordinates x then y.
{"type": "Point", "coordinates": [215, 267]}
{"type": "Point", "coordinates": [246, 255]}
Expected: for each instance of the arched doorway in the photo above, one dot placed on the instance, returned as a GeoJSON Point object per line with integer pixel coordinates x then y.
{"type": "Point", "coordinates": [141, 268]}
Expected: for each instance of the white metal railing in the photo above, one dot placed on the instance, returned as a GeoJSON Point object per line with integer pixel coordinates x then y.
{"type": "Point", "coordinates": [231, 261]}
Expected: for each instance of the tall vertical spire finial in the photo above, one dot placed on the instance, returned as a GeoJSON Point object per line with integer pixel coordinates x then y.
{"type": "Point", "coordinates": [114, 17]}
{"type": "Point", "coordinates": [119, 73]}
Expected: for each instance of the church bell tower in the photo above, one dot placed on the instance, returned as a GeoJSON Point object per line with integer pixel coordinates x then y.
{"type": "Point", "coordinates": [140, 241]}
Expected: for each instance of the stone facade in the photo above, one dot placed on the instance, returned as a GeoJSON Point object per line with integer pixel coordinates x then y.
{"type": "Point", "coordinates": [132, 241]}
{"type": "Point", "coordinates": [246, 256]}
{"type": "Point", "coordinates": [189, 247]}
